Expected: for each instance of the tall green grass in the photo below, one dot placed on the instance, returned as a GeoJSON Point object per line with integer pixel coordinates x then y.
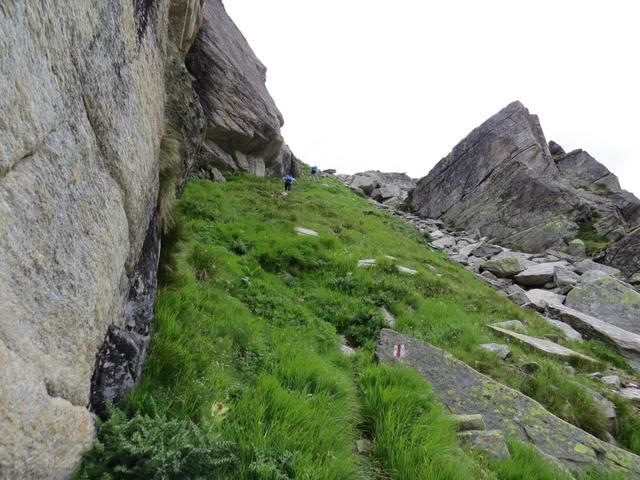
{"type": "Point", "coordinates": [246, 349]}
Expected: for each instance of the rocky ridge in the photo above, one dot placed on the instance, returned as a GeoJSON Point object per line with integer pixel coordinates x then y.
{"type": "Point", "coordinates": [506, 182]}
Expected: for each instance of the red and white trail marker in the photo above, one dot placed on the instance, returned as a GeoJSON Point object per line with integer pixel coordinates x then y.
{"type": "Point", "coordinates": [399, 351]}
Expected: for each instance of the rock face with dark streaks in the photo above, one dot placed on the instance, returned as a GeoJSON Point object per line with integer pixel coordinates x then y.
{"type": "Point", "coordinates": [101, 123]}
{"type": "Point", "coordinates": [625, 255]}
{"type": "Point", "coordinates": [504, 181]}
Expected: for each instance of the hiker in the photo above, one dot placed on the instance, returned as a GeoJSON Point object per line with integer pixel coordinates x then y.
{"type": "Point", "coordinates": [288, 180]}
{"type": "Point", "coordinates": [314, 173]}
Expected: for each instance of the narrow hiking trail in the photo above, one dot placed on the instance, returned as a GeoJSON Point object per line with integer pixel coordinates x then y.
{"type": "Point", "coordinates": [259, 291]}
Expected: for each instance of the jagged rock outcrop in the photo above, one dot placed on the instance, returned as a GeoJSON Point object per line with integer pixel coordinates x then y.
{"type": "Point", "coordinates": [503, 181]}
{"type": "Point", "coordinates": [100, 126]}
{"type": "Point", "coordinates": [243, 122]}
{"type": "Point", "coordinates": [385, 187]}
{"type": "Point", "coordinates": [625, 255]}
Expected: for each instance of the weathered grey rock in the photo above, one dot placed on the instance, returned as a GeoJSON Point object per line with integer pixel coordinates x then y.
{"type": "Point", "coordinates": [243, 122]}
{"type": "Point", "coordinates": [504, 267]}
{"type": "Point", "coordinates": [407, 270]}
{"type": "Point", "coordinates": [631, 394]}
{"type": "Point", "coordinates": [385, 187]}
{"type": "Point", "coordinates": [363, 446]}
{"type": "Point", "coordinates": [555, 149]}
{"type": "Point", "coordinates": [604, 297]}
{"type": "Point", "coordinates": [625, 255]}
{"type": "Point", "coordinates": [517, 294]}
{"type": "Point", "coordinates": [466, 391]}
{"type": "Point", "coordinates": [613, 380]}
{"type": "Point", "coordinates": [464, 423]}
{"type": "Point", "coordinates": [389, 318]}
{"type": "Point", "coordinates": [542, 198]}
{"type": "Point", "coordinates": [489, 443]}
{"type": "Point", "coordinates": [577, 248]}
{"type": "Point", "coordinates": [607, 406]}
{"type": "Point", "coordinates": [538, 274]}
{"type": "Point", "coordinates": [87, 90]}
{"type": "Point", "coordinates": [513, 325]}
{"type": "Point", "coordinates": [563, 277]}
{"type": "Point", "coordinates": [567, 330]}
{"type": "Point", "coordinates": [443, 242]}
{"type": "Point", "coordinates": [308, 232]}
{"type": "Point", "coordinates": [367, 262]}
{"type": "Point", "coordinates": [590, 266]}
{"type": "Point", "coordinates": [627, 343]}
{"type": "Point", "coordinates": [499, 349]}
{"type": "Point", "coordinates": [347, 350]}
{"type": "Point", "coordinates": [541, 345]}
{"type": "Point", "coordinates": [542, 298]}
{"type": "Point", "coordinates": [484, 250]}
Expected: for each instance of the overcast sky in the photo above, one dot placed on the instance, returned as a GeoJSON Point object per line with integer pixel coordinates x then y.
{"type": "Point", "coordinates": [394, 85]}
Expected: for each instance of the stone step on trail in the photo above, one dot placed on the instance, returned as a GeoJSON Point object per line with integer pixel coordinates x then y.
{"type": "Point", "coordinates": [542, 345]}
{"type": "Point", "coordinates": [367, 262]}
{"type": "Point", "coordinates": [465, 391]}
{"type": "Point", "coordinates": [306, 231]}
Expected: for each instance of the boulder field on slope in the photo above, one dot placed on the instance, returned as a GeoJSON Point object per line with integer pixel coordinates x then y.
{"type": "Point", "coordinates": [243, 122]}
{"type": "Point", "coordinates": [465, 391]}
{"type": "Point", "coordinates": [96, 101]}
{"type": "Point", "coordinates": [503, 182]}
{"type": "Point", "coordinates": [384, 187]}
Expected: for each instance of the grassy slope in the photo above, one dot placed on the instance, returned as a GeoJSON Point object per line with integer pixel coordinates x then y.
{"type": "Point", "coordinates": [245, 351]}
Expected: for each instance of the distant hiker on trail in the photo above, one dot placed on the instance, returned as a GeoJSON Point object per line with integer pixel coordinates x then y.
{"type": "Point", "coordinates": [288, 180]}
{"type": "Point", "coordinates": [314, 173]}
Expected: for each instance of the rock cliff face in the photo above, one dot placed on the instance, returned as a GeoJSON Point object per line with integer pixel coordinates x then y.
{"type": "Point", "coordinates": [100, 125]}
{"type": "Point", "coordinates": [503, 181]}
{"type": "Point", "coordinates": [243, 122]}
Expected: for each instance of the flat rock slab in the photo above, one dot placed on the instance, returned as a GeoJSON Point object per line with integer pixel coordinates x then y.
{"type": "Point", "coordinates": [489, 443]}
{"type": "Point", "coordinates": [513, 325]}
{"type": "Point", "coordinates": [465, 391]}
{"type": "Point", "coordinates": [501, 350]}
{"type": "Point", "coordinates": [626, 343]}
{"type": "Point", "coordinates": [539, 274]}
{"type": "Point", "coordinates": [541, 298]}
{"type": "Point", "coordinates": [631, 394]}
{"type": "Point", "coordinates": [589, 266]}
{"type": "Point", "coordinates": [505, 267]}
{"type": "Point", "coordinates": [568, 331]}
{"type": "Point", "coordinates": [605, 297]}
{"type": "Point", "coordinates": [407, 270]}
{"type": "Point", "coordinates": [542, 345]}
{"type": "Point", "coordinates": [367, 262]}
{"type": "Point", "coordinates": [306, 231]}
{"type": "Point", "coordinates": [444, 242]}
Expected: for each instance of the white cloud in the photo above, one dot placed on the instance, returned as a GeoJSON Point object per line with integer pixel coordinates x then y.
{"type": "Point", "coordinates": [373, 84]}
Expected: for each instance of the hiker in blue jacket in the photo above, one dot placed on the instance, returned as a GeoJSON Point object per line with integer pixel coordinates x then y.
{"type": "Point", "coordinates": [288, 180]}
{"type": "Point", "coordinates": [314, 173]}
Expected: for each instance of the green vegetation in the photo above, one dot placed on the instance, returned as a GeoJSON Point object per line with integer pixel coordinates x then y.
{"type": "Point", "coordinates": [244, 365]}
{"type": "Point", "coordinates": [593, 242]}
{"type": "Point", "coordinates": [599, 189]}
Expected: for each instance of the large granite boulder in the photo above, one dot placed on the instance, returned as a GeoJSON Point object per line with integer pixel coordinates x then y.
{"type": "Point", "coordinates": [625, 255]}
{"type": "Point", "coordinates": [243, 122]}
{"type": "Point", "coordinates": [82, 117]}
{"type": "Point", "coordinates": [604, 297]}
{"type": "Point", "coordinates": [503, 181]}
{"type": "Point", "coordinates": [464, 391]}
{"type": "Point", "coordinates": [97, 105]}
{"type": "Point", "coordinates": [384, 187]}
